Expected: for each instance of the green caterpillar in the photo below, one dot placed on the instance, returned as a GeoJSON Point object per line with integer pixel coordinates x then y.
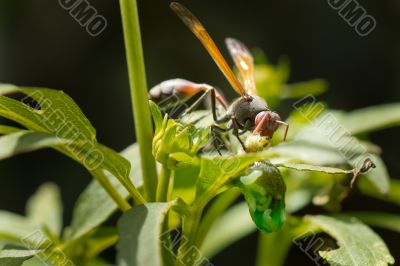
{"type": "Point", "coordinates": [264, 190]}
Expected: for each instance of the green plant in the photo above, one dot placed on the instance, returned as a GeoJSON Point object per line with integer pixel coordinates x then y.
{"type": "Point", "coordinates": [188, 211]}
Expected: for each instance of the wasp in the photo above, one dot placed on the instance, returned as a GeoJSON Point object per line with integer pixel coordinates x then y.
{"type": "Point", "coordinates": [249, 112]}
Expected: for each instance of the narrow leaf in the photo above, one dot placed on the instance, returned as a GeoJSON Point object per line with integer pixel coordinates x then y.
{"type": "Point", "coordinates": [315, 168]}
{"type": "Point", "coordinates": [157, 116]}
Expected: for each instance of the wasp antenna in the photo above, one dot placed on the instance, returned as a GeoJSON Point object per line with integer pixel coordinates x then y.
{"type": "Point", "coordinates": [286, 130]}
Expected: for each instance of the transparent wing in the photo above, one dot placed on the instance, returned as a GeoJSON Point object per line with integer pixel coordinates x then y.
{"type": "Point", "coordinates": [198, 29]}
{"type": "Point", "coordinates": [244, 62]}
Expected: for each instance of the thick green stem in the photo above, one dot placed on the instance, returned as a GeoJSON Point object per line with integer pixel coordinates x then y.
{"type": "Point", "coordinates": [273, 247]}
{"type": "Point", "coordinates": [189, 232]}
{"type": "Point", "coordinates": [163, 184]}
{"type": "Point", "coordinates": [114, 194]}
{"type": "Point", "coordinates": [138, 88]}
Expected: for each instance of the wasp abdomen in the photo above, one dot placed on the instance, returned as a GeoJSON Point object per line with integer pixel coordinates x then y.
{"type": "Point", "coordinates": [172, 92]}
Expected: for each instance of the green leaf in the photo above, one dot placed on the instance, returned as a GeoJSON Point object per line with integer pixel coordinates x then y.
{"type": "Point", "coordinates": [34, 262]}
{"type": "Point", "coordinates": [45, 208]}
{"type": "Point", "coordinates": [393, 196]}
{"type": "Point", "coordinates": [215, 172]}
{"type": "Point", "coordinates": [140, 230]}
{"type": "Point", "coordinates": [358, 244]}
{"type": "Point", "coordinates": [176, 138]}
{"type": "Point", "coordinates": [94, 206]}
{"type": "Point", "coordinates": [15, 257]}
{"type": "Point", "coordinates": [157, 116]}
{"type": "Point", "coordinates": [372, 118]}
{"type": "Point", "coordinates": [379, 219]}
{"type": "Point", "coordinates": [379, 175]}
{"type": "Point", "coordinates": [4, 130]}
{"type": "Point", "coordinates": [273, 248]}
{"type": "Point", "coordinates": [25, 141]}
{"type": "Point", "coordinates": [58, 114]}
{"type": "Point", "coordinates": [307, 152]}
{"type": "Point", "coordinates": [102, 239]}
{"type": "Point", "coordinates": [315, 168]}
{"type": "Point", "coordinates": [297, 90]}
{"type": "Point", "coordinates": [231, 226]}
{"type": "Point", "coordinates": [327, 142]}
{"type": "Point", "coordinates": [14, 227]}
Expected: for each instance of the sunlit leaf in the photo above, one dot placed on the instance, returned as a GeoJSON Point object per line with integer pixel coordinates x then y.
{"type": "Point", "coordinates": [45, 208]}
{"type": "Point", "coordinates": [216, 171]}
{"type": "Point", "coordinates": [25, 141]}
{"type": "Point", "coordinates": [393, 196]}
{"type": "Point", "coordinates": [14, 227]}
{"type": "Point", "coordinates": [15, 257]}
{"type": "Point", "coordinates": [358, 244]}
{"type": "Point", "coordinates": [297, 90]}
{"type": "Point", "coordinates": [379, 175]}
{"type": "Point", "coordinates": [306, 152]}
{"type": "Point", "coordinates": [140, 231]}
{"type": "Point", "coordinates": [379, 219]}
{"type": "Point", "coordinates": [58, 114]}
{"type": "Point", "coordinates": [157, 116]}
{"type": "Point", "coordinates": [315, 168]}
{"type": "Point", "coordinates": [372, 118]}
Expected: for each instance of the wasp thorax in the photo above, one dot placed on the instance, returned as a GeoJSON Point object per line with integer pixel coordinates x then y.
{"type": "Point", "coordinates": [266, 123]}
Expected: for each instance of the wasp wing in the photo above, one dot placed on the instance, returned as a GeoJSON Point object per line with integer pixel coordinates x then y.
{"type": "Point", "coordinates": [198, 29]}
{"type": "Point", "coordinates": [244, 62]}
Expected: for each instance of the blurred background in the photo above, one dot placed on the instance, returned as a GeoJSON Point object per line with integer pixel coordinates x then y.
{"type": "Point", "coordinates": [42, 45]}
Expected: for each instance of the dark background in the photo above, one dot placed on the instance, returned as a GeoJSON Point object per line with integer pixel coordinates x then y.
{"type": "Point", "coordinates": [42, 45]}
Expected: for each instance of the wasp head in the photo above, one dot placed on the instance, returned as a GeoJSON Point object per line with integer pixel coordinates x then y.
{"type": "Point", "coordinates": [267, 122]}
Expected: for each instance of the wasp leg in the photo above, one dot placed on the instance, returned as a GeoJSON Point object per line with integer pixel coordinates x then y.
{"type": "Point", "coordinates": [214, 96]}
{"type": "Point", "coordinates": [247, 126]}
{"type": "Point", "coordinates": [214, 130]}
{"type": "Point", "coordinates": [235, 127]}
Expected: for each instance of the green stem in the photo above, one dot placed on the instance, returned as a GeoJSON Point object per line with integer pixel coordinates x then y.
{"type": "Point", "coordinates": [137, 197]}
{"type": "Point", "coordinates": [163, 184]}
{"type": "Point", "coordinates": [138, 88]}
{"type": "Point", "coordinates": [274, 247]}
{"type": "Point", "coordinates": [217, 207]}
{"type": "Point", "coordinates": [189, 231]}
{"type": "Point", "coordinates": [114, 194]}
